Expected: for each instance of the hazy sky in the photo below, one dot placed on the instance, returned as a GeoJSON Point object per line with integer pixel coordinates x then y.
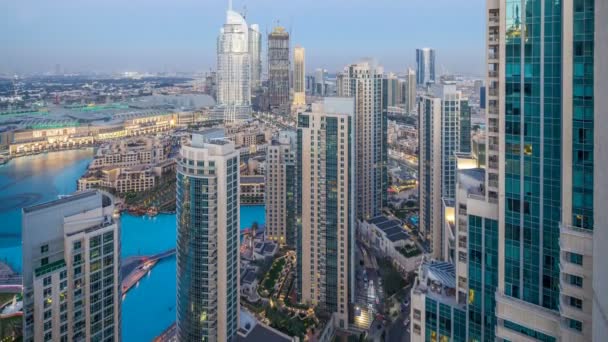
{"type": "Point", "coordinates": [180, 35]}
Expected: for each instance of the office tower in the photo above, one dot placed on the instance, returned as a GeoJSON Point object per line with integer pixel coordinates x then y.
{"type": "Point", "coordinates": [278, 68]}
{"type": "Point", "coordinates": [255, 56]}
{"type": "Point", "coordinates": [363, 82]}
{"type": "Point", "coordinates": [299, 72]}
{"type": "Point", "coordinates": [233, 71]}
{"type": "Point", "coordinates": [482, 97]}
{"type": "Point", "coordinates": [71, 269]}
{"type": "Point", "coordinates": [281, 189]}
{"type": "Point", "coordinates": [310, 85]}
{"type": "Point", "coordinates": [326, 153]}
{"type": "Point", "coordinates": [390, 90]}
{"type": "Point", "coordinates": [320, 78]}
{"type": "Point", "coordinates": [439, 138]}
{"type": "Point", "coordinates": [207, 240]}
{"type": "Point", "coordinates": [600, 230]}
{"type": "Point", "coordinates": [410, 94]}
{"type": "Point", "coordinates": [425, 64]}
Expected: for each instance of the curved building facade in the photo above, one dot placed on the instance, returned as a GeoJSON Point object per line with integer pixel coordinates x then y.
{"type": "Point", "coordinates": [207, 241]}
{"type": "Point", "coordinates": [233, 70]}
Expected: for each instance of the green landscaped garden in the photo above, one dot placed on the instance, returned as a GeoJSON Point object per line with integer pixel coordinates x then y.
{"type": "Point", "coordinates": [409, 251]}
{"type": "Point", "coordinates": [292, 326]}
{"type": "Point", "coordinates": [273, 275]}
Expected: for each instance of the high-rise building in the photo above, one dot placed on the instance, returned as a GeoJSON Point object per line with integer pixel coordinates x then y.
{"type": "Point", "coordinates": [207, 240]}
{"type": "Point", "coordinates": [425, 66]}
{"type": "Point", "coordinates": [320, 78]}
{"type": "Point", "coordinates": [326, 160]}
{"type": "Point", "coordinates": [390, 90]}
{"type": "Point", "coordinates": [281, 189]}
{"type": "Point", "coordinates": [600, 220]}
{"type": "Point", "coordinates": [71, 269]}
{"type": "Point", "coordinates": [440, 114]}
{"type": "Point", "coordinates": [278, 68]}
{"type": "Point", "coordinates": [363, 82]}
{"type": "Point", "coordinates": [255, 56]}
{"type": "Point", "coordinates": [410, 93]}
{"type": "Point", "coordinates": [233, 70]}
{"type": "Point", "coordinates": [299, 73]}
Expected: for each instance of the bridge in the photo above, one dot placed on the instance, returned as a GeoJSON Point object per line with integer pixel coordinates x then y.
{"type": "Point", "coordinates": [136, 267]}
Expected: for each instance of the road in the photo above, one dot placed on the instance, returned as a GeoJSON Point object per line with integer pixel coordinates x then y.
{"type": "Point", "coordinates": [397, 332]}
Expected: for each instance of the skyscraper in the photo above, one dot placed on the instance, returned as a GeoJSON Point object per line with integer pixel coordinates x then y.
{"type": "Point", "coordinates": [255, 56]}
{"type": "Point", "coordinates": [278, 68]}
{"type": "Point", "coordinates": [600, 230]}
{"type": "Point", "coordinates": [390, 90]}
{"type": "Point", "coordinates": [410, 93]}
{"type": "Point", "coordinates": [71, 269]}
{"type": "Point", "coordinates": [439, 138]}
{"type": "Point", "coordinates": [233, 70]}
{"type": "Point", "coordinates": [363, 82]}
{"type": "Point", "coordinates": [425, 64]}
{"type": "Point", "coordinates": [281, 189]}
{"type": "Point", "coordinates": [532, 242]}
{"type": "Point", "coordinates": [299, 74]}
{"type": "Point", "coordinates": [326, 154]}
{"type": "Point", "coordinates": [207, 240]}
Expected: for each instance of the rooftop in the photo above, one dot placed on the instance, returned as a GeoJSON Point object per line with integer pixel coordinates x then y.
{"type": "Point", "coordinates": [392, 228]}
{"type": "Point", "coordinates": [252, 179]}
{"type": "Point", "coordinates": [66, 199]}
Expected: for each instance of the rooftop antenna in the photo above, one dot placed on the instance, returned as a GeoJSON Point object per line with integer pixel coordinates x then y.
{"type": "Point", "coordinates": [245, 11]}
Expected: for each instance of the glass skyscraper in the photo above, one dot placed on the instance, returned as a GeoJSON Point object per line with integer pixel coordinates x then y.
{"type": "Point", "coordinates": [207, 240]}
{"type": "Point", "coordinates": [233, 70]}
{"type": "Point", "coordinates": [425, 66]}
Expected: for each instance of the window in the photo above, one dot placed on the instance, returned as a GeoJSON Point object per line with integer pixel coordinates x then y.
{"type": "Point", "coordinates": [575, 325]}
{"type": "Point", "coordinates": [77, 245]}
{"type": "Point", "coordinates": [576, 258]}
{"type": "Point", "coordinates": [575, 280]}
{"type": "Point", "coordinates": [46, 281]}
{"type": "Point", "coordinates": [44, 249]}
{"type": "Point", "coordinates": [575, 302]}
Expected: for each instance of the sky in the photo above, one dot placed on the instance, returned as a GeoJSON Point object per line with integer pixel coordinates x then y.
{"type": "Point", "coordinates": [180, 35]}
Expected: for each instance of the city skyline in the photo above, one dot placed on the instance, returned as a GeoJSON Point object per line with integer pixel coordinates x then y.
{"type": "Point", "coordinates": [128, 37]}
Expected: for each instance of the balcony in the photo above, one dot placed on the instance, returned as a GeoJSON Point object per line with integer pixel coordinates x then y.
{"type": "Point", "coordinates": [493, 73]}
{"type": "Point", "coordinates": [493, 92]}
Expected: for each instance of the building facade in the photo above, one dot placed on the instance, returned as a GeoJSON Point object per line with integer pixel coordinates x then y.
{"type": "Point", "coordinates": [600, 230]}
{"type": "Point", "coordinates": [439, 138]}
{"type": "Point", "coordinates": [326, 154]}
{"type": "Point", "coordinates": [363, 82]}
{"type": "Point", "coordinates": [207, 240]}
{"type": "Point", "coordinates": [299, 73]}
{"type": "Point", "coordinates": [278, 68]}
{"type": "Point", "coordinates": [233, 70]}
{"type": "Point", "coordinates": [255, 56]}
{"type": "Point", "coordinates": [410, 92]}
{"type": "Point", "coordinates": [281, 189]}
{"type": "Point", "coordinates": [71, 269]}
{"type": "Point", "coordinates": [425, 66]}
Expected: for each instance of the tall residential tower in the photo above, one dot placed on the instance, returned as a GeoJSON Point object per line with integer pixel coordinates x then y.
{"type": "Point", "coordinates": [326, 160]}
{"type": "Point", "coordinates": [281, 189]}
{"type": "Point", "coordinates": [71, 269]}
{"type": "Point", "coordinates": [363, 82]}
{"type": "Point", "coordinates": [207, 240]}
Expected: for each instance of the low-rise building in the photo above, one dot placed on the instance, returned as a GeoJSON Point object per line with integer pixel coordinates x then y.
{"type": "Point", "coordinates": [130, 152]}
{"type": "Point", "coordinates": [388, 238]}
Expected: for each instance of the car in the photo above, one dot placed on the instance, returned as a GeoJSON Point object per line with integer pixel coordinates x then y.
{"type": "Point", "coordinates": [406, 302]}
